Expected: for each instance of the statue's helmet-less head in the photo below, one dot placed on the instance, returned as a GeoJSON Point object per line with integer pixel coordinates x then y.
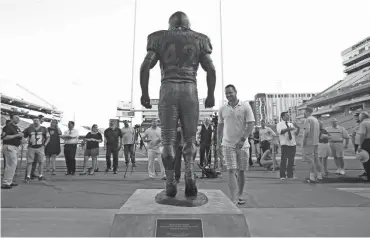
{"type": "Point", "coordinates": [179, 20]}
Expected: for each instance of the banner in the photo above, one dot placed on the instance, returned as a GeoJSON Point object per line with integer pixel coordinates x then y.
{"type": "Point", "coordinates": [124, 105]}
{"type": "Point", "coordinates": [125, 114]}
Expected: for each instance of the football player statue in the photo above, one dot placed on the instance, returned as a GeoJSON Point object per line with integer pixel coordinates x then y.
{"type": "Point", "coordinates": [179, 51]}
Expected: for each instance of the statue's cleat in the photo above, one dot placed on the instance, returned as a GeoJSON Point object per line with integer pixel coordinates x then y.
{"type": "Point", "coordinates": [171, 189]}
{"type": "Point", "coordinates": [190, 188]}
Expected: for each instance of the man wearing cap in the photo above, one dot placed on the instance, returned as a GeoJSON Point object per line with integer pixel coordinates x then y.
{"type": "Point", "coordinates": [365, 140]}
{"type": "Point", "coordinates": [338, 134]}
{"type": "Point", "coordinates": [310, 145]}
{"type": "Point", "coordinates": [356, 137]}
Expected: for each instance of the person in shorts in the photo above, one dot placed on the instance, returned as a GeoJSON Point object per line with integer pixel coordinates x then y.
{"type": "Point", "coordinates": [236, 122]}
{"type": "Point", "coordinates": [338, 134]}
{"type": "Point", "coordinates": [324, 148]}
{"type": "Point", "coordinates": [268, 159]}
{"type": "Point", "coordinates": [38, 138]}
{"type": "Point", "coordinates": [310, 146]}
{"type": "Point", "coordinates": [92, 140]}
{"type": "Point", "coordinates": [34, 164]}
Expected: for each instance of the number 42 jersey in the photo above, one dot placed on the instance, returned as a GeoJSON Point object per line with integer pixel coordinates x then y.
{"type": "Point", "coordinates": [179, 52]}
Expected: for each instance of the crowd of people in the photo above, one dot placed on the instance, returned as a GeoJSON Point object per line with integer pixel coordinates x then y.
{"type": "Point", "coordinates": [235, 136]}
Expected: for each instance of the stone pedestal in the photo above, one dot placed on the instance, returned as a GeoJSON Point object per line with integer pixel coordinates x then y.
{"type": "Point", "coordinates": [139, 215]}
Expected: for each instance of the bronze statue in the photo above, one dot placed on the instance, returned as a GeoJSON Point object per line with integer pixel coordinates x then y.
{"type": "Point", "coordinates": [179, 51]}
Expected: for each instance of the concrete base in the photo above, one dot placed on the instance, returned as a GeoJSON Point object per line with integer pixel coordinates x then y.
{"type": "Point", "coordinates": [137, 217]}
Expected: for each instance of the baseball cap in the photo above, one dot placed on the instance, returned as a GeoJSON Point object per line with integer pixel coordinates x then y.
{"type": "Point", "coordinates": [362, 156]}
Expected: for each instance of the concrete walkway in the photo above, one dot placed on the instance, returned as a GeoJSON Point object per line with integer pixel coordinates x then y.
{"type": "Point", "coordinates": [80, 206]}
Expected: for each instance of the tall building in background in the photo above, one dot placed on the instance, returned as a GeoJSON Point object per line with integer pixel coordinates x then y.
{"type": "Point", "coordinates": [351, 93]}
{"type": "Point", "coordinates": [268, 107]}
{"type": "Point", "coordinates": [357, 57]}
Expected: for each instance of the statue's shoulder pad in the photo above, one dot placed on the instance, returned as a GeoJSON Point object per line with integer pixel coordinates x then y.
{"type": "Point", "coordinates": [157, 34]}
{"type": "Point", "coordinates": [201, 35]}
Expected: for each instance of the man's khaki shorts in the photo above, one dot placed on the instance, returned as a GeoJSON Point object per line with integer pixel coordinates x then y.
{"type": "Point", "coordinates": [236, 158]}
{"type": "Point", "coordinates": [337, 149]}
{"type": "Point", "coordinates": [324, 150]}
{"type": "Point", "coordinates": [31, 153]}
{"type": "Point", "coordinates": [309, 153]}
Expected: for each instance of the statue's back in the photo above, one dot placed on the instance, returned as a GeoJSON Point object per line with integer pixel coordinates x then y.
{"type": "Point", "coordinates": [179, 53]}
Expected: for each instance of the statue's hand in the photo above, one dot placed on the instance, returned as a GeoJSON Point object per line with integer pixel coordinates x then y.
{"type": "Point", "coordinates": [210, 101]}
{"type": "Point", "coordinates": [145, 101]}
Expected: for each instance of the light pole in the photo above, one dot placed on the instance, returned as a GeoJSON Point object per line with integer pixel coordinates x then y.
{"type": "Point", "coordinates": [133, 58]}
{"type": "Point", "coordinates": [222, 55]}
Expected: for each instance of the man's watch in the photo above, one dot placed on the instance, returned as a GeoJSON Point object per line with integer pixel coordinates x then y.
{"type": "Point", "coordinates": [243, 139]}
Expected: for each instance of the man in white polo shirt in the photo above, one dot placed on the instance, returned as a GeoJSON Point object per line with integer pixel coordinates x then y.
{"type": "Point", "coordinates": [70, 138]}
{"type": "Point", "coordinates": [236, 122]}
{"type": "Point", "coordinates": [287, 133]}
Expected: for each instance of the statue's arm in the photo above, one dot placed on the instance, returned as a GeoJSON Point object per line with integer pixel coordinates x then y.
{"type": "Point", "coordinates": [207, 64]}
{"type": "Point", "coordinates": [149, 62]}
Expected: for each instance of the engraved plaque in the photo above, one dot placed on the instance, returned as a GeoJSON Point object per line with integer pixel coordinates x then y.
{"type": "Point", "coordinates": [179, 228]}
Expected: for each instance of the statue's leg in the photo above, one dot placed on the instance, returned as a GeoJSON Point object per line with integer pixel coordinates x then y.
{"type": "Point", "coordinates": [189, 116]}
{"type": "Point", "coordinates": [169, 114]}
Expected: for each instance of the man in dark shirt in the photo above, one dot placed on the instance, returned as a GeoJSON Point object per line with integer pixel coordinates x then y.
{"type": "Point", "coordinates": [112, 144]}
{"type": "Point", "coordinates": [92, 140]}
{"type": "Point", "coordinates": [205, 136]}
{"type": "Point", "coordinates": [11, 136]}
